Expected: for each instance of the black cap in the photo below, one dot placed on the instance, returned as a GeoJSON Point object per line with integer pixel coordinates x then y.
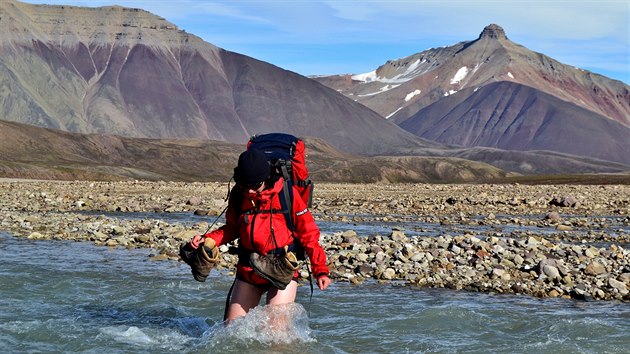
{"type": "Point", "coordinates": [252, 168]}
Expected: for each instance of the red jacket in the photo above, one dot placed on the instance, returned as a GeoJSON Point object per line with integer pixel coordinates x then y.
{"type": "Point", "coordinates": [261, 239]}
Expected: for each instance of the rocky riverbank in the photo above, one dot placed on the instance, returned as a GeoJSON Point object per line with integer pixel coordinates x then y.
{"type": "Point", "coordinates": [546, 241]}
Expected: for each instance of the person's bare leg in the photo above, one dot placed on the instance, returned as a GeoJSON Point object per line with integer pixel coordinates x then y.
{"type": "Point", "coordinates": [244, 298]}
{"type": "Point", "coordinates": [286, 296]}
{"type": "Point", "coordinates": [280, 321]}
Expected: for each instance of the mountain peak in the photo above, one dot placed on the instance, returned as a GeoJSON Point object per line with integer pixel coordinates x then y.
{"type": "Point", "coordinates": [493, 31]}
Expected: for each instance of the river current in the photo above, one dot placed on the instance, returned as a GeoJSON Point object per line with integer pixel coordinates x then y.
{"type": "Point", "coordinates": [60, 297]}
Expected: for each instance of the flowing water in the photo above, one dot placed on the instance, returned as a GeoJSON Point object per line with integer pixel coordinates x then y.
{"type": "Point", "coordinates": [59, 297]}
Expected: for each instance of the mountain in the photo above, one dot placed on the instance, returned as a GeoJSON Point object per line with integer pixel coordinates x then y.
{"type": "Point", "coordinates": [122, 71]}
{"type": "Point", "coordinates": [113, 92]}
{"type": "Point", "coordinates": [27, 151]}
{"type": "Point", "coordinates": [493, 92]}
{"type": "Point", "coordinates": [512, 116]}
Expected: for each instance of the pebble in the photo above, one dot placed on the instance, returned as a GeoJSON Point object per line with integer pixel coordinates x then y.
{"type": "Point", "coordinates": [523, 261]}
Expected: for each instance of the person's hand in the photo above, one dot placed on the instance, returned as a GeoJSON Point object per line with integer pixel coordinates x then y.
{"type": "Point", "coordinates": [323, 281]}
{"type": "Point", "coordinates": [196, 241]}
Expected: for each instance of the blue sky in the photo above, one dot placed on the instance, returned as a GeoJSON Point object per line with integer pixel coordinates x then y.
{"type": "Point", "coordinates": [321, 37]}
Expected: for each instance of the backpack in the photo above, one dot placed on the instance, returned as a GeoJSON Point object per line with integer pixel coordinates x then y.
{"type": "Point", "coordinates": [287, 157]}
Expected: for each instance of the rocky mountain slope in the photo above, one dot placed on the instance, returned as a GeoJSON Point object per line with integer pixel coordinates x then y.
{"type": "Point", "coordinates": [115, 70]}
{"type": "Point", "coordinates": [589, 113]}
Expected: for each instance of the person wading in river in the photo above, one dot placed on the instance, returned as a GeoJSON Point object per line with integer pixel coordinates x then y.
{"type": "Point", "coordinates": [268, 248]}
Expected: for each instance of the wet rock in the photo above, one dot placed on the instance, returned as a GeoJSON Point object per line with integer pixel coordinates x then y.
{"type": "Point", "coordinates": [160, 257]}
{"type": "Point", "coordinates": [498, 272]}
{"type": "Point", "coordinates": [554, 293]}
{"type": "Point", "coordinates": [97, 235]}
{"type": "Point", "coordinates": [362, 257]}
{"type": "Point", "coordinates": [111, 243]}
{"type": "Point", "coordinates": [185, 235]}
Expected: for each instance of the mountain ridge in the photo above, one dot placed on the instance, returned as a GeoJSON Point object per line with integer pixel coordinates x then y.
{"type": "Point", "coordinates": [534, 121]}
{"type": "Point", "coordinates": [134, 74]}
{"type": "Point", "coordinates": [105, 76]}
{"type": "Point", "coordinates": [402, 89]}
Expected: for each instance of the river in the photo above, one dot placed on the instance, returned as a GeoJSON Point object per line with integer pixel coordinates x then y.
{"type": "Point", "coordinates": [62, 296]}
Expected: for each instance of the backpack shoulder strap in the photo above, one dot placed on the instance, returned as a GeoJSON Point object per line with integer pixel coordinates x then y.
{"type": "Point", "coordinates": [286, 202]}
{"type": "Point", "coordinates": [235, 197]}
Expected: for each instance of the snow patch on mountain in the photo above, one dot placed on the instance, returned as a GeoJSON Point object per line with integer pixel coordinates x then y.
{"type": "Point", "coordinates": [367, 77]}
{"type": "Point", "coordinates": [394, 112]}
{"type": "Point", "coordinates": [381, 90]}
{"type": "Point", "coordinates": [411, 94]}
{"type": "Point", "coordinates": [459, 75]}
{"type": "Point", "coordinates": [412, 71]}
{"type": "Point", "coordinates": [450, 92]}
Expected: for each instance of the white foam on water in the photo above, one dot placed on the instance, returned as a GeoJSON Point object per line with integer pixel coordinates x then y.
{"type": "Point", "coordinates": [130, 335]}
{"type": "Point", "coordinates": [146, 337]}
{"type": "Point", "coordinates": [267, 325]}
{"type": "Point", "coordinates": [20, 327]}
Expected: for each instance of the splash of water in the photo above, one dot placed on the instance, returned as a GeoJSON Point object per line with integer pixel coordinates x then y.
{"type": "Point", "coordinates": [145, 338]}
{"type": "Point", "coordinates": [269, 325]}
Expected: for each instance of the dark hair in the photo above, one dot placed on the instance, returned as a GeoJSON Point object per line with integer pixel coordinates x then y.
{"type": "Point", "coordinates": [252, 168]}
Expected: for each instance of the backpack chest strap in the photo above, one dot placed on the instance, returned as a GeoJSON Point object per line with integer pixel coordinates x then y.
{"type": "Point", "coordinates": [257, 211]}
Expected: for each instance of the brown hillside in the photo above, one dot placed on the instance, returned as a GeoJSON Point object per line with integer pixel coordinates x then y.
{"type": "Point", "coordinates": [40, 153]}
{"type": "Point", "coordinates": [511, 116]}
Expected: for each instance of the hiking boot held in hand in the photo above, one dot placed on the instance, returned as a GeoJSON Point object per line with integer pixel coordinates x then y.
{"type": "Point", "coordinates": [203, 259]}
{"type": "Point", "coordinates": [186, 252]}
{"type": "Point", "coordinates": [278, 270]}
